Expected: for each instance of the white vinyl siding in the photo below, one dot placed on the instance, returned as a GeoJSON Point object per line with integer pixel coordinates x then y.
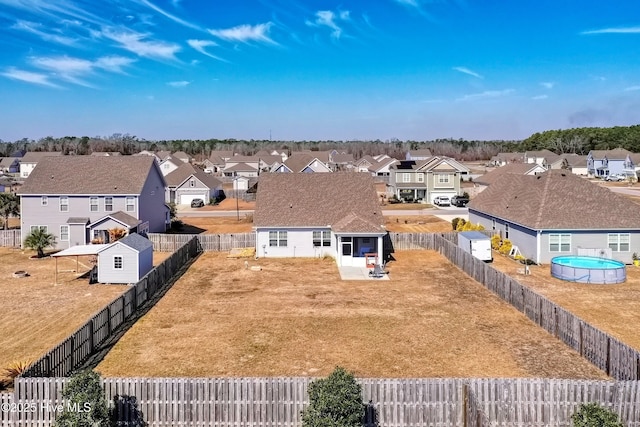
{"type": "Point", "coordinates": [64, 204]}
{"type": "Point", "coordinates": [277, 238]}
{"type": "Point", "coordinates": [559, 242]}
{"type": "Point", "coordinates": [64, 233]}
{"type": "Point", "coordinates": [93, 204]}
{"type": "Point", "coordinates": [619, 242]}
{"type": "Point", "coordinates": [108, 204]}
{"type": "Point", "coordinates": [321, 238]}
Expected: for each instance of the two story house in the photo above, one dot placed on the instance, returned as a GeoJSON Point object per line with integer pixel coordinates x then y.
{"type": "Point", "coordinates": [412, 180]}
{"type": "Point", "coordinates": [602, 163]}
{"type": "Point", "coordinates": [79, 198]}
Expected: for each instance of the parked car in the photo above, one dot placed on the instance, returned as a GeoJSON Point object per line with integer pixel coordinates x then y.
{"type": "Point", "coordinates": [615, 178]}
{"type": "Point", "coordinates": [459, 201]}
{"type": "Point", "coordinates": [442, 201]}
{"type": "Point", "coordinates": [197, 203]}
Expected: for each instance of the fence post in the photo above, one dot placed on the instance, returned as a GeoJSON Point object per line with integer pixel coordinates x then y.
{"type": "Point", "coordinates": [109, 320]}
{"type": "Point", "coordinates": [465, 404]}
{"type": "Point", "coordinates": [92, 343]}
{"type": "Point", "coordinates": [73, 351]}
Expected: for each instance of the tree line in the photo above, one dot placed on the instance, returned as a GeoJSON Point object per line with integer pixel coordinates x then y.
{"type": "Point", "coordinates": [577, 140]}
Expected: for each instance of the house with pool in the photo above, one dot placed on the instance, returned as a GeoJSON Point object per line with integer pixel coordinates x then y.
{"type": "Point", "coordinates": [319, 214]}
{"type": "Point", "coordinates": [558, 213]}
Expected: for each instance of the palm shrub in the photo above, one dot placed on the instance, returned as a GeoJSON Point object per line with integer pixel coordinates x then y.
{"type": "Point", "coordinates": [335, 401]}
{"type": "Point", "coordinates": [85, 402]}
{"type": "Point", "coordinates": [594, 415]}
{"type": "Point", "coordinates": [39, 240]}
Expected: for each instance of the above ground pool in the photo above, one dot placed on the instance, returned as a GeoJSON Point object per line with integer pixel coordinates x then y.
{"type": "Point", "coordinates": [586, 269]}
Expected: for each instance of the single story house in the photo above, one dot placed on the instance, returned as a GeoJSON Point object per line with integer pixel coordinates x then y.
{"type": "Point", "coordinates": [319, 214]}
{"type": "Point", "coordinates": [187, 183]}
{"type": "Point", "coordinates": [558, 213]}
{"type": "Point", "coordinates": [125, 261]}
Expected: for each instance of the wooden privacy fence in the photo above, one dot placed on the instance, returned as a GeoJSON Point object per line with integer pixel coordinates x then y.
{"type": "Point", "coordinates": [606, 352]}
{"type": "Point", "coordinates": [10, 238]}
{"type": "Point", "coordinates": [230, 402]}
{"type": "Point", "coordinates": [208, 242]}
{"type": "Point", "coordinates": [71, 353]}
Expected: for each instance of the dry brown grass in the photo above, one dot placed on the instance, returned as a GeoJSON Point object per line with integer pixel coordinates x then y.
{"type": "Point", "coordinates": [416, 224]}
{"type": "Point", "coordinates": [216, 225]}
{"type": "Point", "coordinates": [36, 313]}
{"type": "Point", "coordinates": [229, 204]}
{"type": "Point", "coordinates": [297, 318]}
{"type": "Point", "coordinates": [405, 207]}
{"type": "Point", "coordinates": [611, 308]}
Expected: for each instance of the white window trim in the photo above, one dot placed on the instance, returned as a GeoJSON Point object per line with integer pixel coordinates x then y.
{"type": "Point", "coordinates": [406, 177]}
{"type": "Point", "coordinates": [126, 204]}
{"type": "Point", "coordinates": [121, 262]}
{"type": "Point", "coordinates": [44, 227]}
{"type": "Point", "coordinates": [60, 204]}
{"type": "Point", "coordinates": [67, 233]}
{"type": "Point", "coordinates": [560, 242]}
{"type": "Point", "coordinates": [420, 177]}
{"type": "Point", "coordinates": [324, 240]}
{"type": "Point", "coordinates": [44, 201]}
{"type": "Point", "coordinates": [617, 241]}
{"type": "Point", "coordinates": [107, 204]}
{"type": "Point", "coordinates": [93, 199]}
{"type": "Point", "coordinates": [280, 237]}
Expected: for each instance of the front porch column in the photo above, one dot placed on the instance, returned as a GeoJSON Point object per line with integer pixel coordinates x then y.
{"type": "Point", "coordinates": [380, 249]}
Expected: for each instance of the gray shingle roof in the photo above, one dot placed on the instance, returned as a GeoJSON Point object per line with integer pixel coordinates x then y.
{"type": "Point", "coordinates": [136, 241]}
{"type": "Point", "coordinates": [615, 154]}
{"type": "Point", "coordinates": [89, 175]}
{"type": "Point", "coordinates": [298, 161]}
{"type": "Point", "coordinates": [345, 201]}
{"type": "Point", "coordinates": [557, 200]}
{"type": "Point", "coordinates": [503, 171]}
{"type": "Point", "coordinates": [177, 176]}
{"type": "Point", "coordinates": [35, 156]}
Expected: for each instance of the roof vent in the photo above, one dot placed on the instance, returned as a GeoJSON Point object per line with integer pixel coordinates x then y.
{"type": "Point", "coordinates": [290, 205]}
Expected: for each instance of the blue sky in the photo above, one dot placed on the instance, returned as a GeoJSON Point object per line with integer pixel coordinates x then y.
{"type": "Point", "coordinates": [316, 70]}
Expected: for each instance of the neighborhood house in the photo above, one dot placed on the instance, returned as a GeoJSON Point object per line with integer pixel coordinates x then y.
{"type": "Point", "coordinates": [79, 199]}
{"type": "Point", "coordinates": [319, 214]}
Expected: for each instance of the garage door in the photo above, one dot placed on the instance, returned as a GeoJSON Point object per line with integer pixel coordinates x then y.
{"type": "Point", "coordinates": [185, 199]}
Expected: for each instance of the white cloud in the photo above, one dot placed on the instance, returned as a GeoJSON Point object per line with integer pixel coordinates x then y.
{"type": "Point", "coordinates": [73, 69]}
{"type": "Point", "coordinates": [134, 42]}
{"type": "Point", "coordinates": [181, 83]}
{"type": "Point", "coordinates": [412, 3]}
{"type": "Point", "coordinates": [28, 77]}
{"type": "Point", "coordinates": [245, 33]}
{"type": "Point", "coordinates": [538, 97]}
{"type": "Point", "coordinates": [631, 88]}
{"type": "Point", "coordinates": [465, 70]}
{"type": "Point", "coordinates": [619, 30]}
{"type": "Point", "coordinates": [328, 18]}
{"type": "Point", "coordinates": [113, 63]}
{"type": "Point", "coordinates": [34, 28]}
{"type": "Point", "coordinates": [200, 45]}
{"type": "Point", "coordinates": [170, 16]}
{"type": "Point", "coordinates": [486, 94]}
{"type": "Point", "coordinates": [547, 85]}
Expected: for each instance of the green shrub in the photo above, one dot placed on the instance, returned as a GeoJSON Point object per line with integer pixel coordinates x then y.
{"type": "Point", "coordinates": [594, 415]}
{"type": "Point", "coordinates": [85, 404]}
{"type": "Point", "coordinates": [334, 401]}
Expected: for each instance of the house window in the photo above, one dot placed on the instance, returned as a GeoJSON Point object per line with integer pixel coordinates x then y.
{"type": "Point", "coordinates": [117, 262]}
{"type": "Point", "coordinates": [443, 179]}
{"type": "Point", "coordinates": [619, 242]}
{"type": "Point", "coordinates": [64, 233]}
{"type": "Point", "coordinates": [559, 242]}
{"type": "Point", "coordinates": [131, 204]}
{"type": "Point", "coordinates": [64, 204]}
{"type": "Point", "coordinates": [406, 177]}
{"type": "Point", "coordinates": [420, 177]}
{"type": "Point", "coordinates": [277, 238]}
{"type": "Point", "coordinates": [44, 200]}
{"type": "Point", "coordinates": [321, 238]}
{"type": "Point", "coordinates": [192, 183]}
{"type": "Point", "coordinates": [93, 204]}
{"type": "Point", "coordinates": [41, 227]}
{"type": "Point", "coordinates": [493, 224]}
{"type": "Point", "coordinates": [108, 204]}
{"type": "Point", "coordinates": [166, 166]}
{"type": "Point", "coordinates": [506, 231]}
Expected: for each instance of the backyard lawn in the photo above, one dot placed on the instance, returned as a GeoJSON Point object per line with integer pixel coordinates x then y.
{"type": "Point", "coordinates": [36, 313]}
{"type": "Point", "coordinates": [612, 308]}
{"type": "Point", "coordinates": [296, 317]}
